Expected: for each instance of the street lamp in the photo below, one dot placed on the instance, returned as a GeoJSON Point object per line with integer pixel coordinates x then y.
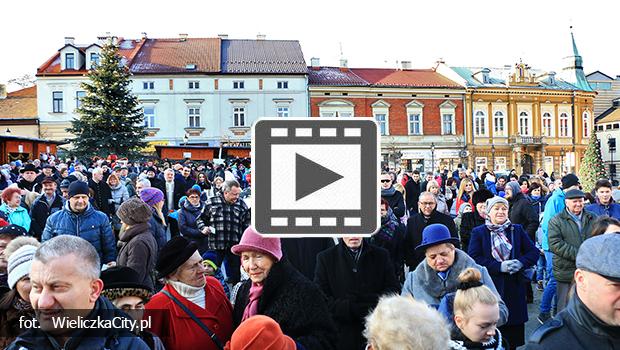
{"type": "Point", "coordinates": [562, 154]}
{"type": "Point", "coordinates": [493, 156]}
{"type": "Point", "coordinates": [433, 157]}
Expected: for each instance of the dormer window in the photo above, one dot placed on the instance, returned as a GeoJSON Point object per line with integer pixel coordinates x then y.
{"type": "Point", "coordinates": [70, 60]}
{"type": "Point", "coordinates": [94, 59]}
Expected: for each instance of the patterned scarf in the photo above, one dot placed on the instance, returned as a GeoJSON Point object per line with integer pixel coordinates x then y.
{"type": "Point", "coordinates": [500, 245]}
{"type": "Point", "coordinates": [256, 291]}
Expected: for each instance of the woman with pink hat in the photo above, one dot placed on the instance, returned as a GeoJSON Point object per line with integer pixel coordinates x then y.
{"type": "Point", "coordinates": [276, 289]}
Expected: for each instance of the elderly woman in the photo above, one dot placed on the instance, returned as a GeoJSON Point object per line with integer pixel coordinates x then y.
{"type": "Point", "coordinates": [12, 209]}
{"type": "Point", "coordinates": [276, 289]}
{"type": "Point", "coordinates": [442, 204]}
{"type": "Point", "coordinates": [154, 198]}
{"type": "Point", "coordinates": [438, 274]}
{"type": "Point", "coordinates": [506, 251]}
{"type": "Point", "coordinates": [192, 311]}
{"type": "Point", "coordinates": [119, 195]}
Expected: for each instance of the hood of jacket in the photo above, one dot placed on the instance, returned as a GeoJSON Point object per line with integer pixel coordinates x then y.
{"type": "Point", "coordinates": [133, 231]}
{"type": "Point", "coordinates": [434, 286]}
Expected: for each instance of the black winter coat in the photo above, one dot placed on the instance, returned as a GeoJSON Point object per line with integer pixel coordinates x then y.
{"type": "Point", "coordinates": [412, 189]}
{"type": "Point", "coordinates": [188, 228]}
{"type": "Point", "coordinates": [40, 211]}
{"type": "Point", "coordinates": [522, 213]}
{"type": "Point", "coordinates": [353, 288]}
{"type": "Point", "coordinates": [397, 203]}
{"type": "Point", "coordinates": [103, 195]}
{"type": "Point", "coordinates": [415, 226]}
{"type": "Point", "coordinates": [295, 303]}
{"type": "Point", "coordinates": [138, 250]}
{"type": "Point", "coordinates": [302, 252]}
{"type": "Point", "coordinates": [468, 222]}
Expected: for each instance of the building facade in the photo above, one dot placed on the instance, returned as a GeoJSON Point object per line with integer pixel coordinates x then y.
{"type": "Point", "coordinates": [607, 90]}
{"type": "Point", "coordinates": [205, 91]}
{"type": "Point", "coordinates": [419, 112]}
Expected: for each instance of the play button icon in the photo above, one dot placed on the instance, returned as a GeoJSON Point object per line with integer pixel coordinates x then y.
{"type": "Point", "coordinates": [311, 177]}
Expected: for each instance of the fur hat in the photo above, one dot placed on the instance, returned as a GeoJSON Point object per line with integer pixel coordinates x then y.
{"type": "Point", "coordinates": [122, 281]}
{"type": "Point", "coordinates": [134, 211]}
{"type": "Point", "coordinates": [481, 196]}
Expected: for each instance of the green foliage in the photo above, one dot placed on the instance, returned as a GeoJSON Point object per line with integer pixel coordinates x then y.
{"type": "Point", "coordinates": [592, 168]}
{"type": "Point", "coordinates": [111, 121]}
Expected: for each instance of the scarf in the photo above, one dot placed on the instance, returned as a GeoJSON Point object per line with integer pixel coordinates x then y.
{"type": "Point", "coordinates": [256, 291]}
{"type": "Point", "coordinates": [194, 294]}
{"type": "Point", "coordinates": [465, 197]}
{"type": "Point", "coordinates": [500, 245]}
{"type": "Point", "coordinates": [389, 224]}
{"type": "Point", "coordinates": [389, 192]}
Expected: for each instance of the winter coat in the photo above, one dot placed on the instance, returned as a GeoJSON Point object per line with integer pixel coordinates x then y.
{"type": "Point", "coordinates": [412, 189]}
{"type": "Point", "coordinates": [302, 252]}
{"type": "Point", "coordinates": [19, 216]}
{"type": "Point", "coordinates": [138, 250]}
{"type": "Point", "coordinates": [397, 203]}
{"type": "Point", "coordinates": [390, 237]}
{"type": "Point", "coordinates": [188, 215]}
{"type": "Point", "coordinates": [459, 217]}
{"type": "Point", "coordinates": [574, 328]}
{"type": "Point", "coordinates": [113, 338]}
{"type": "Point", "coordinates": [555, 205]}
{"type": "Point", "coordinates": [565, 238]}
{"type": "Point", "coordinates": [40, 210]}
{"type": "Point", "coordinates": [468, 223]}
{"type": "Point", "coordinates": [461, 200]}
{"type": "Point", "coordinates": [295, 303]}
{"type": "Point", "coordinates": [103, 196]}
{"type": "Point", "coordinates": [510, 287]}
{"type": "Point", "coordinates": [538, 204]}
{"type": "Point", "coordinates": [9, 319]}
{"type": "Point", "coordinates": [92, 225]}
{"type": "Point", "coordinates": [460, 342]}
{"type": "Point", "coordinates": [158, 228]}
{"type": "Point", "coordinates": [119, 195]}
{"type": "Point", "coordinates": [521, 213]}
{"type": "Point", "coordinates": [424, 283]}
{"type": "Point", "coordinates": [178, 191]}
{"type": "Point", "coordinates": [354, 288]}
{"type": "Point", "coordinates": [413, 238]}
{"type": "Point", "coordinates": [442, 205]}
{"type": "Point", "coordinates": [176, 328]}
{"type": "Point", "coordinates": [612, 209]}
{"type": "Point", "coordinates": [26, 185]}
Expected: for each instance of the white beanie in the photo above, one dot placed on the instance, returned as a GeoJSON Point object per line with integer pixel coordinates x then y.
{"type": "Point", "coordinates": [19, 265]}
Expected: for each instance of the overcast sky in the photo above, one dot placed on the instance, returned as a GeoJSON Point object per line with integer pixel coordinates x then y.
{"type": "Point", "coordinates": [372, 34]}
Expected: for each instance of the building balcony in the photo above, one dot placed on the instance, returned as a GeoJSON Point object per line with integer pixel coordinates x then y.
{"type": "Point", "coordinates": [526, 140]}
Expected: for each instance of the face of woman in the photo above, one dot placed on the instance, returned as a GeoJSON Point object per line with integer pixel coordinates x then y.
{"type": "Point", "coordinates": [498, 214]}
{"type": "Point", "coordinates": [218, 183]}
{"type": "Point", "coordinates": [113, 181]}
{"type": "Point", "coordinates": [194, 199]}
{"type": "Point", "coordinates": [433, 189]}
{"type": "Point", "coordinates": [201, 178]}
{"type": "Point", "coordinates": [524, 186]}
{"type": "Point", "coordinates": [469, 187]}
{"type": "Point", "coordinates": [384, 210]}
{"type": "Point", "coordinates": [481, 325]}
{"type": "Point", "coordinates": [535, 192]}
{"type": "Point", "coordinates": [192, 272]}
{"type": "Point", "coordinates": [257, 265]}
{"type": "Point", "coordinates": [23, 288]}
{"type": "Point", "coordinates": [386, 181]}
{"type": "Point", "coordinates": [16, 200]}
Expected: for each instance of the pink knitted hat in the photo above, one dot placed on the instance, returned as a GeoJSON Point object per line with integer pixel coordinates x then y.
{"type": "Point", "coordinates": [253, 241]}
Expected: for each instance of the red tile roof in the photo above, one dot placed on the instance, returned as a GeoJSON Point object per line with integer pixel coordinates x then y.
{"type": "Point", "coordinates": [172, 56]}
{"type": "Point", "coordinates": [21, 104]}
{"type": "Point", "coordinates": [404, 78]}
{"type": "Point", "coordinates": [26, 92]}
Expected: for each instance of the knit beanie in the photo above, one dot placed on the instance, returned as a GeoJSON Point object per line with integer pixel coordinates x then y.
{"type": "Point", "coordinates": [253, 241]}
{"type": "Point", "coordinates": [151, 196]}
{"type": "Point", "coordinates": [514, 187]}
{"type": "Point", "coordinates": [134, 211]}
{"type": "Point", "coordinates": [78, 187]}
{"type": "Point", "coordinates": [210, 258]}
{"type": "Point", "coordinates": [260, 333]}
{"type": "Point", "coordinates": [19, 265]}
{"type": "Point", "coordinates": [496, 200]}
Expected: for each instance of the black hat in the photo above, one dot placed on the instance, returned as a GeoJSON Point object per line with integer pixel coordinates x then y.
{"type": "Point", "coordinates": [174, 254]}
{"type": "Point", "coordinates": [47, 166]}
{"type": "Point", "coordinates": [48, 179]}
{"type": "Point", "coordinates": [65, 183]}
{"type": "Point", "coordinates": [28, 167]}
{"type": "Point", "coordinates": [573, 194]}
{"type": "Point", "coordinates": [120, 281]}
{"type": "Point", "coordinates": [569, 180]}
{"type": "Point", "coordinates": [481, 196]}
{"type": "Point", "coordinates": [78, 187]}
{"type": "Point", "coordinates": [151, 169]}
{"type": "Point", "coordinates": [13, 230]}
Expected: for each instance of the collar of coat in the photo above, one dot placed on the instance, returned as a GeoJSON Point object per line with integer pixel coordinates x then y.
{"type": "Point", "coordinates": [134, 230]}
{"type": "Point", "coordinates": [586, 319]}
{"type": "Point", "coordinates": [433, 284]}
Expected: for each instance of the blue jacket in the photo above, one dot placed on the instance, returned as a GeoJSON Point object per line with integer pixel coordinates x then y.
{"type": "Point", "coordinates": [19, 217]}
{"type": "Point", "coordinates": [92, 225]}
{"type": "Point", "coordinates": [510, 287]}
{"type": "Point", "coordinates": [612, 209]}
{"type": "Point", "coordinates": [113, 338]}
{"type": "Point", "coordinates": [555, 205]}
{"type": "Point", "coordinates": [188, 214]}
{"type": "Point", "coordinates": [158, 228]}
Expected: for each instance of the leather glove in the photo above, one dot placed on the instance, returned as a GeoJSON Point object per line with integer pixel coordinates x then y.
{"type": "Point", "coordinates": [505, 267]}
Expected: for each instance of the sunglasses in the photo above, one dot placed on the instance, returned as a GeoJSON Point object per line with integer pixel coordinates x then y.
{"type": "Point", "coordinates": [386, 181]}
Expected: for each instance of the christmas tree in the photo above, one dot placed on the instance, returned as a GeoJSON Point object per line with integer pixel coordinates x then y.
{"type": "Point", "coordinates": [111, 121]}
{"type": "Point", "coordinates": [592, 168]}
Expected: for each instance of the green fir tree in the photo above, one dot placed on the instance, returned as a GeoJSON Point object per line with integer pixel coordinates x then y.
{"type": "Point", "coordinates": [592, 168]}
{"type": "Point", "coordinates": [111, 121]}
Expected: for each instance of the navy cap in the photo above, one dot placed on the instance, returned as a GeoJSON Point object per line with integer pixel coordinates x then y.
{"type": "Point", "coordinates": [599, 255]}
{"type": "Point", "coordinates": [572, 194]}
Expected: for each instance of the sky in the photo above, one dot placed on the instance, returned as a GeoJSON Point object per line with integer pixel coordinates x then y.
{"type": "Point", "coordinates": [371, 34]}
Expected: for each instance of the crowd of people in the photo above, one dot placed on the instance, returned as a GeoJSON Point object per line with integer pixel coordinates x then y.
{"type": "Point", "coordinates": [171, 246]}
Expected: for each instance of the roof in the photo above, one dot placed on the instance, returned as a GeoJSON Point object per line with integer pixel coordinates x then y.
{"type": "Point", "coordinates": [6, 137]}
{"type": "Point", "coordinates": [21, 104]}
{"type": "Point", "coordinates": [378, 77]}
{"type": "Point", "coordinates": [499, 76]}
{"type": "Point", "coordinates": [610, 115]}
{"type": "Point", "coordinates": [598, 75]}
{"type": "Point", "coordinates": [173, 55]}
{"type": "Point", "coordinates": [262, 56]}
{"type": "Point", "coordinates": [334, 76]}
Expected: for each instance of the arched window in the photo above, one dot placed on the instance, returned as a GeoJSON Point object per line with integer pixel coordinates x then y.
{"type": "Point", "coordinates": [524, 124]}
{"type": "Point", "coordinates": [499, 123]}
{"type": "Point", "coordinates": [480, 123]}
{"type": "Point", "coordinates": [563, 125]}
{"type": "Point", "coordinates": [547, 128]}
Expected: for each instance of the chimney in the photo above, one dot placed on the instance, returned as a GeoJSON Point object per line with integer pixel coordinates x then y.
{"type": "Point", "coordinates": [182, 37]}
{"type": "Point", "coordinates": [2, 91]}
{"type": "Point", "coordinates": [144, 37]}
{"type": "Point", "coordinates": [223, 36]}
{"type": "Point", "coordinates": [485, 75]}
{"type": "Point", "coordinates": [551, 78]}
{"type": "Point", "coordinates": [344, 64]}
{"type": "Point", "coordinates": [315, 62]}
{"type": "Point", "coordinates": [261, 36]}
{"type": "Point", "coordinates": [69, 40]}
{"type": "Point", "coordinates": [405, 64]}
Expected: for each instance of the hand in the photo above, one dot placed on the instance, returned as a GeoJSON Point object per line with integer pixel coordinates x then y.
{"type": "Point", "coordinates": [205, 231]}
{"type": "Point", "coordinates": [514, 266]}
{"type": "Point", "coordinates": [111, 264]}
{"type": "Point", "coordinates": [505, 267]}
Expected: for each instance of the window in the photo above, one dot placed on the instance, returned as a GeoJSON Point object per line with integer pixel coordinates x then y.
{"type": "Point", "coordinates": [328, 114]}
{"type": "Point", "coordinates": [283, 85]}
{"type": "Point", "coordinates": [524, 124]}
{"type": "Point", "coordinates": [499, 128]}
{"type": "Point", "coordinates": [193, 114]}
{"type": "Point", "coordinates": [547, 128]}
{"type": "Point", "coordinates": [78, 98]}
{"type": "Point", "coordinates": [239, 116]}
{"type": "Point", "coordinates": [238, 84]}
{"type": "Point", "coordinates": [500, 164]}
{"type": "Point", "coordinates": [563, 125]}
{"type": "Point", "coordinates": [282, 111]}
{"type": "Point", "coordinates": [447, 124]}
{"type": "Point", "coordinates": [601, 86]}
{"type": "Point", "coordinates": [57, 101]}
{"type": "Point", "coordinates": [69, 61]}
{"type": "Point", "coordinates": [94, 59]}
{"type": "Point", "coordinates": [193, 85]}
{"type": "Point", "coordinates": [480, 123]}
{"type": "Point", "coordinates": [148, 85]}
{"type": "Point", "coordinates": [481, 163]}
{"type": "Point", "coordinates": [382, 121]}
{"type": "Point", "coordinates": [149, 116]}
{"type": "Point", "coordinates": [586, 124]}
{"type": "Point", "coordinates": [415, 124]}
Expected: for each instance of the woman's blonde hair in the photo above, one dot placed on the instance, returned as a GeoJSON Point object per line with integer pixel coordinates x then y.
{"type": "Point", "coordinates": [402, 323]}
{"type": "Point", "coordinates": [401, 189]}
{"type": "Point", "coordinates": [464, 182]}
{"type": "Point", "coordinates": [431, 183]}
{"type": "Point", "coordinates": [472, 291]}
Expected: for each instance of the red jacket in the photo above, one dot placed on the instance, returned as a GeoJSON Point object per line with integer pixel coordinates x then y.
{"type": "Point", "coordinates": [178, 331]}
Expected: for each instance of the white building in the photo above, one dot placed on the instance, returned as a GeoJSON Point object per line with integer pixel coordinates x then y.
{"type": "Point", "coordinates": [195, 90]}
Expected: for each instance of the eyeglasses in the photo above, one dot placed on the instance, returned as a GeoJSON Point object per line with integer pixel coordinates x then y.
{"type": "Point", "coordinates": [427, 204]}
{"type": "Point", "coordinates": [386, 181]}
